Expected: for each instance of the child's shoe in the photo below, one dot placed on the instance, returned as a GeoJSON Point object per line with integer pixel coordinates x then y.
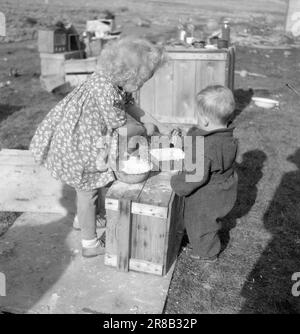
{"type": "Point", "coordinates": [213, 259]}
{"type": "Point", "coordinates": [98, 249]}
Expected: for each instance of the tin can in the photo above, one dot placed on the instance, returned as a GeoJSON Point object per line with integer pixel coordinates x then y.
{"type": "Point", "coordinates": [226, 31]}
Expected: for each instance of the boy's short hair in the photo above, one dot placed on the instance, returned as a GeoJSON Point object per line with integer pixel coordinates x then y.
{"type": "Point", "coordinates": [216, 103]}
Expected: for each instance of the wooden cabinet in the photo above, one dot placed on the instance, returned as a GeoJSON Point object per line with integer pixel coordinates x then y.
{"type": "Point", "coordinates": [169, 95]}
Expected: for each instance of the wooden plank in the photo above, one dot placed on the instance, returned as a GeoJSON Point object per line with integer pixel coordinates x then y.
{"type": "Point", "coordinates": [111, 204]}
{"type": "Point", "coordinates": [197, 56]}
{"type": "Point", "coordinates": [27, 187]}
{"type": "Point", "coordinates": [174, 232]}
{"type": "Point", "coordinates": [210, 73]}
{"type": "Point", "coordinates": [76, 79]}
{"type": "Point", "coordinates": [116, 192]}
{"type": "Point", "coordinates": [81, 65]}
{"type": "Point", "coordinates": [147, 98]}
{"type": "Point", "coordinates": [124, 235]}
{"type": "Point", "coordinates": [53, 63]}
{"type": "Point", "coordinates": [41, 258]}
{"type": "Point", "coordinates": [231, 68]}
{"type": "Point", "coordinates": [149, 233]}
{"type": "Point", "coordinates": [184, 91]}
{"type": "Point", "coordinates": [50, 82]}
{"type": "Point", "coordinates": [136, 265]}
{"type": "Point", "coordinates": [164, 83]}
{"type": "Point", "coordinates": [149, 210]}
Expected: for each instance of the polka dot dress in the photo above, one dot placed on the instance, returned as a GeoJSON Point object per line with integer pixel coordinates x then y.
{"type": "Point", "coordinates": [67, 140]}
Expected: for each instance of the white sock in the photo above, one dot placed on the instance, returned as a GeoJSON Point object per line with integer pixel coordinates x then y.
{"type": "Point", "coordinates": [90, 243]}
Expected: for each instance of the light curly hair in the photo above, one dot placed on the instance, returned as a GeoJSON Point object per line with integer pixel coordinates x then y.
{"type": "Point", "coordinates": [216, 103]}
{"type": "Point", "coordinates": [130, 61]}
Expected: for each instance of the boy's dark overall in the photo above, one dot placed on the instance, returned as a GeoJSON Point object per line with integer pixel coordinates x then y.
{"type": "Point", "coordinates": [213, 196]}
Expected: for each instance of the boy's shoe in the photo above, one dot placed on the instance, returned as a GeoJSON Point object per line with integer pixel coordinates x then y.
{"type": "Point", "coordinates": [100, 222]}
{"type": "Point", "coordinates": [213, 259]}
{"type": "Point", "coordinates": [94, 251]}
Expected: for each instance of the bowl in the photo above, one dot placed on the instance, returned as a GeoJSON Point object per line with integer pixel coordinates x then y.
{"type": "Point", "coordinates": [125, 176]}
{"type": "Point", "coordinates": [265, 103]}
{"type": "Point", "coordinates": [131, 178]}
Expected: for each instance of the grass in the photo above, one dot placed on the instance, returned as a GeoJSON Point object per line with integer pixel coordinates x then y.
{"type": "Point", "coordinates": [254, 272]}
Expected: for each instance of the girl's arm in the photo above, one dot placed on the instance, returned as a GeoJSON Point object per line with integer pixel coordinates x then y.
{"type": "Point", "coordinates": [133, 128]}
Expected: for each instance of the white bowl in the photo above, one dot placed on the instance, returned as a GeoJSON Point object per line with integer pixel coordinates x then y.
{"type": "Point", "coordinates": [265, 103]}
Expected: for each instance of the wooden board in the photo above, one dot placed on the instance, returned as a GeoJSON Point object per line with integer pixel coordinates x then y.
{"type": "Point", "coordinates": [76, 79]}
{"type": "Point", "coordinates": [124, 235]}
{"type": "Point", "coordinates": [81, 65]}
{"type": "Point", "coordinates": [50, 82]}
{"type": "Point", "coordinates": [45, 273]}
{"type": "Point", "coordinates": [27, 187]}
{"type": "Point", "coordinates": [53, 63]}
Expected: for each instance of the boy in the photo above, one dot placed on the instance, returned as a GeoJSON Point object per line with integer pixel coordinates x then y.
{"type": "Point", "coordinates": [214, 195]}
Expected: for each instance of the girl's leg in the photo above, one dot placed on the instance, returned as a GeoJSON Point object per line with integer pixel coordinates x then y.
{"type": "Point", "coordinates": [101, 202]}
{"type": "Point", "coordinates": [86, 212]}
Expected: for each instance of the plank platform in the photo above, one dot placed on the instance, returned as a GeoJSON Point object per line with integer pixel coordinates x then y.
{"type": "Point", "coordinates": [45, 273]}
{"type": "Point", "coordinates": [27, 187]}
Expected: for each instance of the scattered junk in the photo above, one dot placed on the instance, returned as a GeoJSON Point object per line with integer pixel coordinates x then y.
{"type": "Point", "coordinates": [5, 84]}
{"type": "Point", "coordinates": [265, 103]}
{"type": "Point", "coordinates": [67, 56]}
{"type": "Point", "coordinates": [218, 37]}
{"type": "Point", "coordinates": [293, 89]}
{"type": "Point", "coordinates": [245, 73]}
{"type": "Point", "coordinates": [14, 72]}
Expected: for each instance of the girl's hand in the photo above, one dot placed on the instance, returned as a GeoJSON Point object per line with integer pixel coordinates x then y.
{"type": "Point", "coordinates": [150, 128]}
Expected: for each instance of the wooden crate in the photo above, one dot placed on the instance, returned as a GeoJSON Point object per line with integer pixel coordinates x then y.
{"type": "Point", "coordinates": [144, 225]}
{"type": "Point", "coordinates": [53, 68]}
{"type": "Point", "coordinates": [52, 41]}
{"type": "Point", "coordinates": [78, 70]}
{"type": "Point", "coordinates": [169, 95]}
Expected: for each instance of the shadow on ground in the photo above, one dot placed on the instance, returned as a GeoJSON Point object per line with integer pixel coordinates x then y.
{"type": "Point", "coordinates": [249, 173]}
{"type": "Point", "coordinates": [6, 110]}
{"type": "Point", "coordinates": [269, 285]}
{"type": "Point", "coordinates": [33, 261]}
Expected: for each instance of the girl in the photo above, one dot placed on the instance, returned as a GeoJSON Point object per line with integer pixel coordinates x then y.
{"type": "Point", "coordinates": [71, 140]}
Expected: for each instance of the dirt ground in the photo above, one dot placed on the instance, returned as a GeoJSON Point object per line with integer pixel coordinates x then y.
{"type": "Point", "coordinates": [263, 251]}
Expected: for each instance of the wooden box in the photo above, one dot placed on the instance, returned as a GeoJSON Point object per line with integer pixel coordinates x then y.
{"type": "Point", "coordinates": [52, 41]}
{"type": "Point", "coordinates": [169, 95]}
{"type": "Point", "coordinates": [53, 67]}
{"type": "Point", "coordinates": [144, 225]}
{"type": "Point", "coordinates": [78, 70]}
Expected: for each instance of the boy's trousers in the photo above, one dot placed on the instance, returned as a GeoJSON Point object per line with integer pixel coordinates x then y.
{"type": "Point", "coordinates": [89, 204]}
{"type": "Point", "coordinates": [204, 237]}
